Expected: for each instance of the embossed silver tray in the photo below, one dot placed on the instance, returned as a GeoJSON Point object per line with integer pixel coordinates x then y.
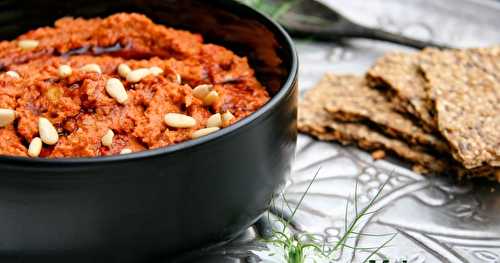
{"type": "Point", "coordinates": [436, 218]}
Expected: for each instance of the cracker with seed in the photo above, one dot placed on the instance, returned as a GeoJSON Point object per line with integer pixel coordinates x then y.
{"type": "Point", "coordinates": [315, 120]}
{"type": "Point", "coordinates": [355, 101]}
{"type": "Point", "coordinates": [465, 88]}
{"type": "Point", "coordinates": [400, 76]}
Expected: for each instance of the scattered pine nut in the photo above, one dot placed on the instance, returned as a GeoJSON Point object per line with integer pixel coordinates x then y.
{"type": "Point", "coordinates": [227, 117]}
{"type": "Point", "coordinates": [178, 78]}
{"type": "Point", "coordinates": [211, 98]}
{"type": "Point", "coordinates": [35, 147]}
{"type": "Point", "coordinates": [201, 91]}
{"type": "Point", "coordinates": [64, 71]}
{"type": "Point", "coordinates": [13, 74]}
{"type": "Point", "coordinates": [137, 75]}
{"type": "Point", "coordinates": [126, 151]}
{"type": "Point", "coordinates": [214, 121]}
{"type": "Point", "coordinates": [107, 139]}
{"type": "Point", "coordinates": [48, 132]}
{"type": "Point", "coordinates": [28, 44]}
{"type": "Point", "coordinates": [178, 120]}
{"type": "Point", "coordinates": [124, 70]}
{"type": "Point", "coordinates": [115, 89]}
{"type": "Point", "coordinates": [91, 68]}
{"type": "Point", "coordinates": [7, 116]}
{"type": "Point", "coordinates": [203, 132]}
{"type": "Point", "coordinates": [155, 71]}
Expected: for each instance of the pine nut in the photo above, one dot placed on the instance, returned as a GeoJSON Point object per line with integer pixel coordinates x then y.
{"type": "Point", "coordinates": [7, 116]}
{"type": "Point", "coordinates": [124, 70]}
{"type": "Point", "coordinates": [91, 68]}
{"type": "Point", "coordinates": [126, 151]}
{"type": "Point", "coordinates": [137, 75]}
{"type": "Point", "coordinates": [177, 120]}
{"type": "Point", "coordinates": [227, 117]}
{"type": "Point", "coordinates": [28, 44]}
{"type": "Point", "coordinates": [48, 132]}
{"type": "Point", "coordinates": [214, 121]}
{"type": "Point", "coordinates": [64, 71]}
{"type": "Point", "coordinates": [13, 74]}
{"type": "Point", "coordinates": [116, 90]}
{"type": "Point", "coordinates": [211, 98]}
{"type": "Point", "coordinates": [35, 147]}
{"type": "Point", "coordinates": [155, 71]}
{"type": "Point", "coordinates": [178, 78]}
{"type": "Point", "coordinates": [201, 91]}
{"type": "Point", "coordinates": [107, 139]}
{"type": "Point", "coordinates": [202, 132]}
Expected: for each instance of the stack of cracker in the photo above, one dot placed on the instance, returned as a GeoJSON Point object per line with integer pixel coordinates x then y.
{"type": "Point", "coordinates": [440, 110]}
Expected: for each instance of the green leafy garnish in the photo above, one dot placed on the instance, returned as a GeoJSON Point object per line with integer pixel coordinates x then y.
{"type": "Point", "coordinates": [301, 247]}
{"type": "Point", "coordinates": [275, 10]}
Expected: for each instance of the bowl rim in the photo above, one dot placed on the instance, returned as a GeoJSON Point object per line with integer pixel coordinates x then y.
{"type": "Point", "coordinates": [285, 91]}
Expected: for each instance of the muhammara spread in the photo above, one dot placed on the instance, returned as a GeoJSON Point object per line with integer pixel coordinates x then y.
{"type": "Point", "coordinates": [117, 85]}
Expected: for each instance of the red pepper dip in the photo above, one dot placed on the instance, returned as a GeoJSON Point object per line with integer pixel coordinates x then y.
{"type": "Point", "coordinates": [117, 85]}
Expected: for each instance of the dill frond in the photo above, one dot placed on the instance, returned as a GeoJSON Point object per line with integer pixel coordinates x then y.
{"type": "Point", "coordinates": [297, 247]}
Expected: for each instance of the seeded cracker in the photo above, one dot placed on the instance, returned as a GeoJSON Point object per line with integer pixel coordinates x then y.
{"type": "Point", "coordinates": [315, 120]}
{"type": "Point", "coordinates": [401, 75]}
{"type": "Point", "coordinates": [354, 101]}
{"type": "Point", "coordinates": [465, 86]}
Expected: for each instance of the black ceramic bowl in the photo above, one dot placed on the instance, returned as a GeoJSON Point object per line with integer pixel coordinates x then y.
{"type": "Point", "coordinates": [156, 203]}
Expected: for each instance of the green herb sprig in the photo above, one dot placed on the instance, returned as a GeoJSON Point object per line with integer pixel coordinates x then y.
{"type": "Point", "coordinates": [297, 248]}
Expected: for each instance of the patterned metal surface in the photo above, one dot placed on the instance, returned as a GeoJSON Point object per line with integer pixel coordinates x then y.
{"type": "Point", "coordinates": [437, 219]}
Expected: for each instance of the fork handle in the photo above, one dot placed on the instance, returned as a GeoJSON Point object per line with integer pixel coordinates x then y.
{"type": "Point", "coordinates": [353, 30]}
{"type": "Point", "coordinates": [378, 34]}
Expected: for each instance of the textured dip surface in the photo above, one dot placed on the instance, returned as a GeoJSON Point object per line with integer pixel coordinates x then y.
{"type": "Point", "coordinates": [62, 74]}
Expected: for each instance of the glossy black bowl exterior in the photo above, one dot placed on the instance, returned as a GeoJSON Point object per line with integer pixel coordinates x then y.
{"type": "Point", "coordinates": [156, 203]}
